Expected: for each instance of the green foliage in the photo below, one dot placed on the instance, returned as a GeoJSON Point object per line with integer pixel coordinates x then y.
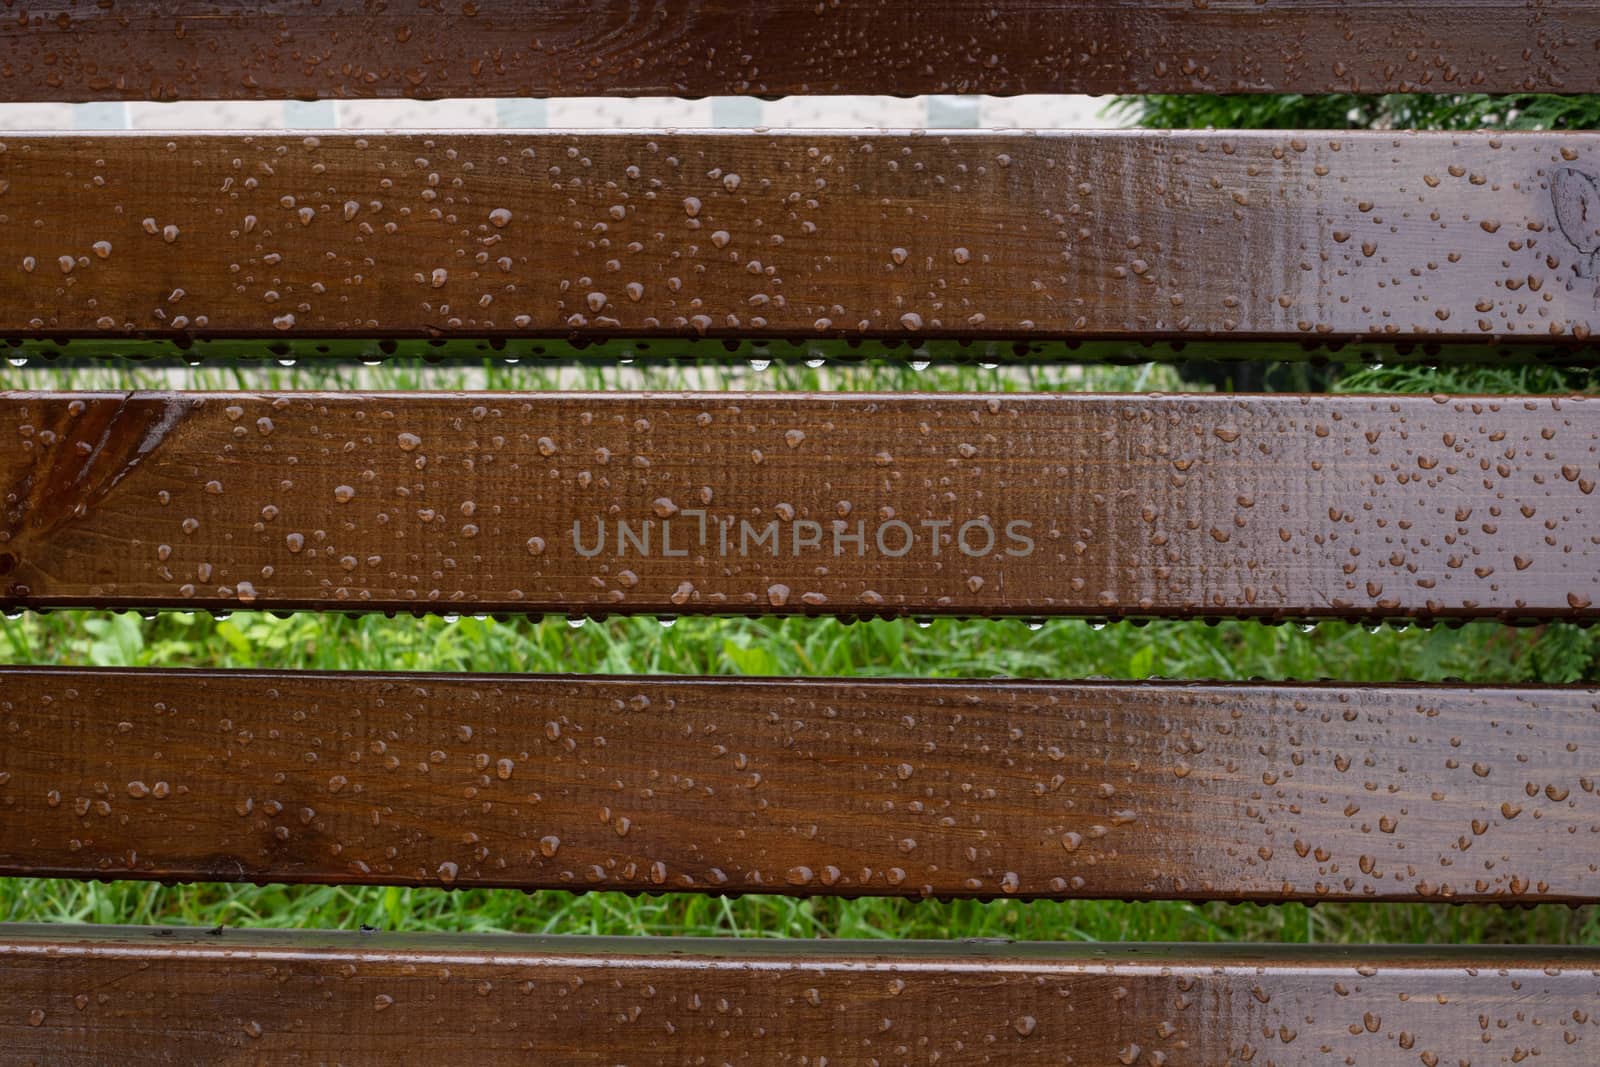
{"type": "Point", "coordinates": [1524, 111]}
{"type": "Point", "coordinates": [1527, 379]}
{"type": "Point", "coordinates": [1566, 654]}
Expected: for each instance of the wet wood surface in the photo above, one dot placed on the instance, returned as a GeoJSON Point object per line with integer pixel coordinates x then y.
{"type": "Point", "coordinates": [85, 994]}
{"type": "Point", "coordinates": [848, 504]}
{"type": "Point", "coordinates": [1131, 236]}
{"type": "Point", "coordinates": [193, 49]}
{"type": "Point", "coordinates": [1265, 792]}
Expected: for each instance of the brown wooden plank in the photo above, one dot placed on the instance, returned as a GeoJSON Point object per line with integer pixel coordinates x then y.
{"type": "Point", "coordinates": [1448, 238]}
{"type": "Point", "coordinates": [477, 352]}
{"type": "Point", "coordinates": [1210, 505]}
{"type": "Point", "coordinates": [833, 786]}
{"type": "Point", "coordinates": [88, 994]}
{"type": "Point", "coordinates": [185, 49]}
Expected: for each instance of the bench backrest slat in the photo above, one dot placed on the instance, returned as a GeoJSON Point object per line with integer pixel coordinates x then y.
{"type": "Point", "coordinates": [198, 49]}
{"type": "Point", "coordinates": [288, 996]}
{"type": "Point", "coordinates": [1115, 506]}
{"type": "Point", "coordinates": [1126, 236]}
{"type": "Point", "coordinates": [854, 786]}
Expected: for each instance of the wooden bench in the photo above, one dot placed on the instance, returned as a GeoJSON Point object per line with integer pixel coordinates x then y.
{"type": "Point", "coordinates": [1444, 508]}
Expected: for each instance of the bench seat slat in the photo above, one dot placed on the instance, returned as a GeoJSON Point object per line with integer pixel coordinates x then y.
{"type": "Point", "coordinates": [1267, 792]}
{"type": "Point", "coordinates": [85, 994]}
{"type": "Point", "coordinates": [1130, 236]}
{"type": "Point", "coordinates": [192, 49]}
{"type": "Point", "coordinates": [851, 504]}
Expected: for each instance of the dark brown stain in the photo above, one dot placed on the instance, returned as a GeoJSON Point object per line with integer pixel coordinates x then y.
{"type": "Point", "coordinates": [89, 994]}
{"type": "Point", "coordinates": [1264, 792]}
{"type": "Point", "coordinates": [70, 457]}
{"type": "Point", "coordinates": [1203, 505]}
{"type": "Point", "coordinates": [1576, 198]}
{"type": "Point", "coordinates": [192, 49]}
{"type": "Point", "coordinates": [1003, 238]}
{"type": "Point", "coordinates": [87, 450]}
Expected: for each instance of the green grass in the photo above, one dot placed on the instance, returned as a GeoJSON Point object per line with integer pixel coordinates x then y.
{"type": "Point", "coordinates": [789, 647]}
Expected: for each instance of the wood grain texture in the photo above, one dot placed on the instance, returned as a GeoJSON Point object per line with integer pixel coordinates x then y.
{"type": "Point", "coordinates": [261, 353]}
{"type": "Point", "coordinates": [1130, 236]}
{"type": "Point", "coordinates": [187, 49]}
{"type": "Point", "coordinates": [854, 504]}
{"type": "Point", "coordinates": [832, 786]}
{"type": "Point", "coordinates": [86, 994]}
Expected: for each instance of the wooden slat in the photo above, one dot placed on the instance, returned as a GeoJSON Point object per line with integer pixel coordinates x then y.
{"type": "Point", "coordinates": [88, 994]}
{"type": "Point", "coordinates": [93, 353]}
{"type": "Point", "coordinates": [184, 49]}
{"type": "Point", "coordinates": [887, 787]}
{"type": "Point", "coordinates": [1005, 236]}
{"type": "Point", "coordinates": [1208, 505]}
